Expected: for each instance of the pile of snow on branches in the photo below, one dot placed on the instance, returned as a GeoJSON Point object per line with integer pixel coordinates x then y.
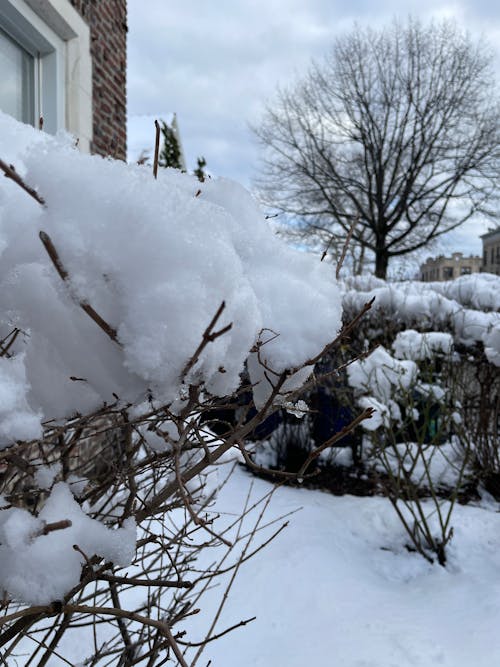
{"type": "Point", "coordinates": [155, 259]}
{"type": "Point", "coordinates": [421, 322]}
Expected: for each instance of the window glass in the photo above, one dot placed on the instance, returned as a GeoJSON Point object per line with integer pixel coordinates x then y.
{"type": "Point", "coordinates": [16, 80]}
{"type": "Point", "coordinates": [448, 272]}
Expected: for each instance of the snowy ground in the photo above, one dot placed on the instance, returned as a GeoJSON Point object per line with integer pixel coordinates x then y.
{"type": "Point", "coordinates": [337, 588]}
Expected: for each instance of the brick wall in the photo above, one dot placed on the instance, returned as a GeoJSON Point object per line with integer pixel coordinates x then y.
{"type": "Point", "coordinates": [107, 20]}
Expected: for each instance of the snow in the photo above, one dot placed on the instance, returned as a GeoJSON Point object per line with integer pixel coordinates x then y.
{"type": "Point", "coordinates": [477, 291]}
{"type": "Point", "coordinates": [380, 374]}
{"type": "Point", "coordinates": [492, 345]}
{"type": "Point", "coordinates": [38, 568]}
{"type": "Point", "coordinates": [420, 322]}
{"type": "Point", "coordinates": [378, 380]}
{"type": "Point", "coordinates": [411, 344]}
{"type": "Point", "coordinates": [298, 409]}
{"type": "Point", "coordinates": [17, 419]}
{"type": "Point", "coordinates": [380, 416]}
{"type": "Point", "coordinates": [436, 306]}
{"type": "Point", "coordinates": [155, 259]}
{"type": "Point", "coordinates": [427, 465]}
{"type": "Point", "coordinates": [45, 475]}
{"type": "Point", "coordinates": [338, 587]}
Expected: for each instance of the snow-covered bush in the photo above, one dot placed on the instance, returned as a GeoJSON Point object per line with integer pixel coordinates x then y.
{"type": "Point", "coordinates": [129, 309]}
{"type": "Point", "coordinates": [429, 368]}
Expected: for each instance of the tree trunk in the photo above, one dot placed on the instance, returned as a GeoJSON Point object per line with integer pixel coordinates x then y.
{"type": "Point", "coordinates": [381, 263]}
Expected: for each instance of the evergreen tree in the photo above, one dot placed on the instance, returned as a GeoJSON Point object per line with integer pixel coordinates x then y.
{"type": "Point", "coordinates": [171, 152]}
{"type": "Point", "coordinates": [200, 169]}
{"type": "Point", "coordinates": [170, 155]}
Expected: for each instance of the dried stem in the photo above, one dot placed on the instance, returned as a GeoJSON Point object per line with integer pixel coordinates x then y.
{"type": "Point", "coordinates": [10, 172]}
{"type": "Point", "coordinates": [122, 613]}
{"type": "Point", "coordinates": [157, 149]}
{"type": "Point", "coordinates": [134, 581]}
{"type": "Point", "coordinates": [325, 251]}
{"type": "Point", "coordinates": [346, 245]}
{"type": "Point", "coordinates": [7, 342]}
{"type": "Point", "coordinates": [56, 260]}
{"type": "Point", "coordinates": [208, 337]}
{"type": "Point", "coordinates": [366, 414]}
{"type": "Point", "coordinates": [52, 527]}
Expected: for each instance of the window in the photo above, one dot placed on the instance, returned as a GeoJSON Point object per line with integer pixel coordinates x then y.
{"type": "Point", "coordinates": [448, 272]}
{"type": "Point", "coordinates": [465, 271]}
{"type": "Point", "coordinates": [17, 84]}
{"type": "Point", "coordinates": [45, 66]}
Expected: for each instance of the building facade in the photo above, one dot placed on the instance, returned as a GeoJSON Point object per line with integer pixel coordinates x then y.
{"type": "Point", "coordinates": [65, 61]}
{"type": "Point", "coordinates": [491, 252]}
{"type": "Point", "coordinates": [447, 268]}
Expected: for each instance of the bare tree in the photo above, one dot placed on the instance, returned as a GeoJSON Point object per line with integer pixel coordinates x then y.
{"type": "Point", "coordinates": [398, 128]}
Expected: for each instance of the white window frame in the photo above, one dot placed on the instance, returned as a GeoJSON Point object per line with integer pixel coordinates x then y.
{"type": "Point", "coordinates": [58, 38]}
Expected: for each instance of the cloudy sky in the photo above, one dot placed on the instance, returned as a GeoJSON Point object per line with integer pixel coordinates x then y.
{"type": "Point", "coordinates": [216, 63]}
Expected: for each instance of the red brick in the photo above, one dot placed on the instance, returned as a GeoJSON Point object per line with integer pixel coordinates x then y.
{"type": "Point", "coordinates": [107, 20]}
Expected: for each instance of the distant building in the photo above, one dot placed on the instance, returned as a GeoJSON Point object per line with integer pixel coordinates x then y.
{"type": "Point", "coordinates": [447, 268]}
{"type": "Point", "coordinates": [65, 61]}
{"type": "Point", "coordinates": [491, 252]}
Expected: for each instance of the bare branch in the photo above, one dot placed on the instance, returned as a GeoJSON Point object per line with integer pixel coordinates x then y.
{"type": "Point", "coordinates": [10, 172]}
{"type": "Point", "coordinates": [56, 260]}
{"type": "Point", "coordinates": [346, 245]}
{"type": "Point", "coordinates": [157, 149]}
{"type": "Point", "coordinates": [208, 337]}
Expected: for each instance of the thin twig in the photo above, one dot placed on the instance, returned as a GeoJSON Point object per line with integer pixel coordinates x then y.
{"type": "Point", "coordinates": [132, 581]}
{"type": "Point", "coordinates": [59, 266]}
{"type": "Point", "coordinates": [366, 414]}
{"type": "Point", "coordinates": [262, 470]}
{"type": "Point", "coordinates": [10, 172]}
{"type": "Point", "coordinates": [240, 561]}
{"type": "Point", "coordinates": [122, 626]}
{"type": "Point", "coordinates": [157, 149]}
{"type": "Point", "coordinates": [346, 245]}
{"type": "Point", "coordinates": [325, 251]}
{"type": "Point", "coordinates": [208, 337]}
{"type": "Point", "coordinates": [52, 527]}
{"type": "Point", "coordinates": [197, 520]}
{"type": "Point", "coordinates": [219, 635]}
{"type": "Point", "coordinates": [7, 342]}
{"type": "Point", "coordinates": [29, 611]}
{"type": "Point", "coordinates": [122, 613]}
